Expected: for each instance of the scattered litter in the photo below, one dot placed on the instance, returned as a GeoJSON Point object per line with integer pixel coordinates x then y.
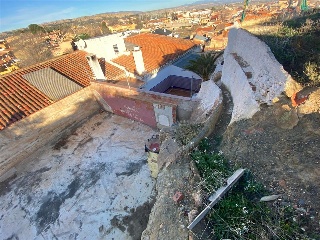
{"type": "Point", "coordinates": [269, 198]}
{"type": "Point", "coordinates": [177, 197]}
{"type": "Point", "coordinates": [218, 195]}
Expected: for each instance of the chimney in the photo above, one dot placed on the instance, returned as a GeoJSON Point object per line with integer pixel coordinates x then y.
{"type": "Point", "coordinates": [95, 67]}
{"type": "Point", "coordinates": [138, 60]}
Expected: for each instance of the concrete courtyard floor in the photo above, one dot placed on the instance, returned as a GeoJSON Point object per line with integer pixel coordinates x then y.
{"type": "Point", "coordinates": [95, 184]}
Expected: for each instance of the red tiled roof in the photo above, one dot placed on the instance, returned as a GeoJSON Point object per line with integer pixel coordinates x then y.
{"type": "Point", "coordinates": [18, 98]}
{"type": "Point", "coordinates": [205, 29]}
{"type": "Point", "coordinates": [118, 76]}
{"type": "Point", "coordinates": [112, 72]}
{"type": "Point", "coordinates": [127, 61]}
{"type": "Point", "coordinates": [156, 50]}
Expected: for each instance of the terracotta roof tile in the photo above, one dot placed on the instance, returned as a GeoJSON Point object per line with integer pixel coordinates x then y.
{"type": "Point", "coordinates": [156, 50]}
{"type": "Point", "coordinates": [111, 72]}
{"type": "Point", "coordinates": [118, 76]}
{"type": "Point", "coordinates": [18, 98]}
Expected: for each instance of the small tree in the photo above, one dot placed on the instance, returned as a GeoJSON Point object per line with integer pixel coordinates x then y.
{"type": "Point", "coordinates": [35, 28]}
{"type": "Point", "coordinates": [204, 65]}
{"type": "Point", "coordinates": [138, 23]}
{"type": "Point", "coordinates": [174, 16]}
{"type": "Point", "coordinates": [104, 28]}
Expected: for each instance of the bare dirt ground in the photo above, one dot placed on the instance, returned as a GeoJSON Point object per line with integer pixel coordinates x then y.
{"type": "Point", "coordinates": [64, 47]}
{"type": "Point", "coordinates": [283, 156]}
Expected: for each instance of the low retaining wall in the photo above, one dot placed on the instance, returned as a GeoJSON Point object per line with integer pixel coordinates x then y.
{"type": "Point", "coordinates": [156, 110]}
{"type": "Point", "coordinates": [45, 127]}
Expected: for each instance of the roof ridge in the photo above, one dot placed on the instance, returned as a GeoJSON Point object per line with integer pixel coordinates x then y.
{"type": "Point", "coordinates": [42, 63]}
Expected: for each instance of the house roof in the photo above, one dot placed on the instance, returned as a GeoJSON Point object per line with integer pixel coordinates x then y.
{"type": "Point", "coordinates": [118, 76]}
{"type": "Point", "coordinates": [156, 50]}
{"type": "Point", "coordinates": [161, 31]}
{"type": "Point", "coordinates": [201, 38]}
{"type": "Point", "coordinates": [205, 29]}
{"type": "Point", "coordinates": [19, 98]}
{"type": "Point", "coordinates": [111, 72]}
{"type": "Point", "coordinates": [53, 84]}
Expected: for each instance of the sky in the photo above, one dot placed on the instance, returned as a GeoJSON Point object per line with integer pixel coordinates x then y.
{"type": "Point", "coordinates": [20, 13]}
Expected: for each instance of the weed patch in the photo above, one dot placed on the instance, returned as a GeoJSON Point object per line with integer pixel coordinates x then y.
{"type": "Point", "coordinates": [241, 214]}
{"type": "Point", "coordinates": [295, 45]}
{"type": "Point", "coordinates": [186, 132]}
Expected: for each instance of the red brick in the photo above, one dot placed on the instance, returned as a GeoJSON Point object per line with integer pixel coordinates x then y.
{"type": "Point", "coordinates": [177, 197]}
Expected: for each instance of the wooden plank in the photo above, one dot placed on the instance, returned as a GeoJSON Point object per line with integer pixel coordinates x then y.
{"type": "Point", "coordinates": [217, 196]}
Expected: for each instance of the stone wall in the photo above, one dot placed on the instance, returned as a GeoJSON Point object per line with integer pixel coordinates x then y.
{"type": "Point", "coordinates": [156, 110]}
{"type": "Point", "coordinates": [252, 74]}
{"type": "Point", "coordinates": [45, 127]}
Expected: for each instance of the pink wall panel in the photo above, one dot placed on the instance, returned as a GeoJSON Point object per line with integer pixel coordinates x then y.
{"type": "Point", "coordinates": [132, 108]}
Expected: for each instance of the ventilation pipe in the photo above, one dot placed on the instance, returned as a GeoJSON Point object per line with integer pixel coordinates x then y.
{"type": "Point", "coordinates": [95, 66]}
{"type": "Point", "coordinates": [138, 60]}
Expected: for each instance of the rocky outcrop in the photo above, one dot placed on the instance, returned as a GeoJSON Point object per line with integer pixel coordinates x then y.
{"type": "Point", "coordinates": [312, 102]}
{"type": "Point", "coordinates": [253, 75]}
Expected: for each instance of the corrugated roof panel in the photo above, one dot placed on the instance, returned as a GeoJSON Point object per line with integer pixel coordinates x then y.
{"type": "Point", "coordinates": [51, 83]}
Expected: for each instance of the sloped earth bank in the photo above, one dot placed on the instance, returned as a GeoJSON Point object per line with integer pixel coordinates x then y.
{"type": "Point", "coordinates": [169, 219]}
{"type": "Point", "coordinates": [282, 149]}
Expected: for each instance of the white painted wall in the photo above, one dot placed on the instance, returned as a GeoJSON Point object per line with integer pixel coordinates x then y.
{"type": "Point", "coordinates": [268, 75]}
{"type": "Point", "coordinates": [209, 97]}
{"type": "Point", "coordinates": [95, 67]}
{"type": "Point", "coordinates": [138, 60]}
{"type": "Point", "coordinates": [245, 104]}
{"type": "Point", "coordinates": [163, 114]}
{"type": "Point", "coordinates": [167, 71]}
{"type": "Point", "coordinates": [102, 47]}
{"type": "Point", "coordinates": [209, 93]}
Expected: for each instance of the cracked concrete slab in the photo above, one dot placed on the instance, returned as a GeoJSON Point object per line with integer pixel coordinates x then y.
{"type": "Point", "coordinates": [87, 186]}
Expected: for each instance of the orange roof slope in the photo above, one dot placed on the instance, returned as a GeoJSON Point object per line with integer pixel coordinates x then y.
{"type": "Point", "coordinates": [18, 98]}
{"type": "Point", "coordinates": [111, 72]}
{"type": "Point", "coordinates": [157, 50]}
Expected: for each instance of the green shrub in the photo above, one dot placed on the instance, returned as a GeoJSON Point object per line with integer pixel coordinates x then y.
{"type": "Point", "coordinates": [312, 70]}
{"type": "Point", "coordinates": [296, 46]}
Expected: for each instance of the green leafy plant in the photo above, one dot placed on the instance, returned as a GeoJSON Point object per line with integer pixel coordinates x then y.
{"type": "Point", "coordinates": [240, 214]}
{"type": "Point", "coordinates": [35, 28]}
{"type": "Point", "coordinates": [204, 65]}
{"type": "Point", "coordinates": [82, 36]}
{"type": "Point", "coordinates": [295, 44]}
{"type": "Point", "coordinates": [312, 71]}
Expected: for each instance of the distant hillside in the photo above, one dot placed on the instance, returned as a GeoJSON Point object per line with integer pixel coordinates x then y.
{"type": "Point", "coordinates": [227, 1]}
{"type": "Point", "coordinates": [83, 20]}
{"type": "Point", "coordinates": [215, 1]}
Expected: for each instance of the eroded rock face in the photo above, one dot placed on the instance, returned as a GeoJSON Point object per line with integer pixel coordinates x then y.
{"type": "Point", "coordinates": [169, 219]}
{"type": "Point", "coordinates": [287, 118]}
{"type": "Point", "coordinates": [312, 104]}
{"type": "Point", "coordinates": [253, 75]}
{"type": "Point", "coordinates": [292, 87]}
